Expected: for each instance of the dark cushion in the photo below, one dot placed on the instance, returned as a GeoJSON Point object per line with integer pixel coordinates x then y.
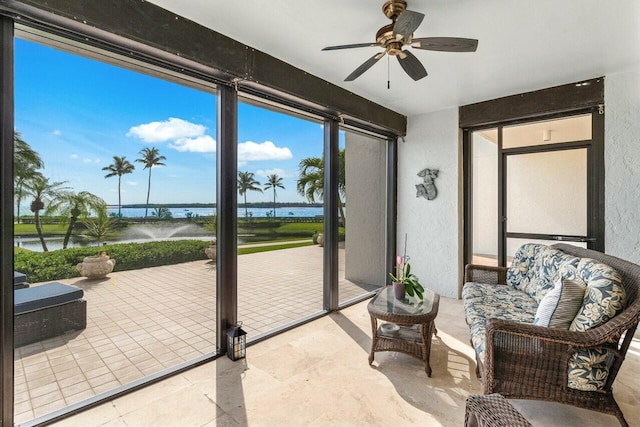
{"type": "Point", "coordinates": [47, 295]}
{"type": "Point", "coordinates": [19, 278]}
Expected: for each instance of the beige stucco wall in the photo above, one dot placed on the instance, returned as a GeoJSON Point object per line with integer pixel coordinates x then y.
{"type": "Point", "coordinates": [622, 164]}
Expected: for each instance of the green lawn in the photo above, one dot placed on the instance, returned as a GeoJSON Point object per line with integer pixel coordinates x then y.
{"type": "Point", "coordinates": [255, 249]}
{"type": "Point", "coordinates": [47, 230]}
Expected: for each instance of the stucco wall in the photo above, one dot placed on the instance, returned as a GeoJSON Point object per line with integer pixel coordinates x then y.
{"type": "Point", "coordinates": [432, 226]}
{"type": "Point", "coordinates": [622, 164]}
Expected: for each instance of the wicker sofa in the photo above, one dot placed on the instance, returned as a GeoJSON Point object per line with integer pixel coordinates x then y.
{"type": "Point", "coordinates": [575, 365]}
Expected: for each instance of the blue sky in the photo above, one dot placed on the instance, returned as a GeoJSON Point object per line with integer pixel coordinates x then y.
{"type": "Point", "coordinates": [78, 113]}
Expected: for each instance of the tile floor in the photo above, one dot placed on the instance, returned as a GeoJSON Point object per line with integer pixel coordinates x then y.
{"type": "Point", "coordinates": [143, 321]}
{"type": "Point", "coordinates": [318, 375]}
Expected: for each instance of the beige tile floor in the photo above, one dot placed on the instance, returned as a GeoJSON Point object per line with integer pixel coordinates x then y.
{"type": "Point", "coordinates": [144, 321]}
{"type": "Point", "coordinates": [318, 375]}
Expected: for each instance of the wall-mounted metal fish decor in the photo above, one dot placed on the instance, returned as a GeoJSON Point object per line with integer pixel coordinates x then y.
{"type": "Point", "coordinates": [427, 189]}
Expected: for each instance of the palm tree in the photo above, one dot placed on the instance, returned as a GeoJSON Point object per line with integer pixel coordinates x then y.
{"type": "Point", "coordinates": [73, 206]}
{"type": "Point", "coordinates": [311, 180]}
{"type": "Point", "coordinates": [24, 177]}
{"type": "Point", "coordinates": [274, 181]}
{"type": "Point", "coordinates": [150, 158]}
{"type": "Point", "coordinates": [120, 166]}
{"type": "Point", "coordinates": [44, 191]}
{"type": "Point", "coordinates": [246, 182]}
{"type": "Point", "coordinates": [26, 161]}
{"type": "Point", "coordinates": [101, 226]}
{"type": "Point", "coordinates": [162, 213]}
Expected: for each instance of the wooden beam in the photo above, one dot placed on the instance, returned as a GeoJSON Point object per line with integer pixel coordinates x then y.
{"type": "Point", "coordinates": [558, 99]}
{"type": "Point", "coordinates": [118, 23]}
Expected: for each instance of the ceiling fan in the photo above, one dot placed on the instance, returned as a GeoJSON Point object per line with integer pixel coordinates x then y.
{"type": "Point", "coordinates": [393, 37]}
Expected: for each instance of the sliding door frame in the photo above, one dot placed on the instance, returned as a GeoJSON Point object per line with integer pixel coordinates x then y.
{"type": "Point", "coordinates": [546, 104]}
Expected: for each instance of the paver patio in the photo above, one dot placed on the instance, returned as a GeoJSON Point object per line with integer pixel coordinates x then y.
{"type": "Point", "coordinates": [141, 322]}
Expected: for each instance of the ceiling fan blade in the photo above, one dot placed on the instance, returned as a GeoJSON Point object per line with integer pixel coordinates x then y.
{"type": "Point", "coordinates": [446, 44]}
{"type": "Point", "coordinates": [364, 67]}
{"type": "Point", "coordinates": [406, 24]}
{"type": "Point", "coordinates": [350, 46]}
{"type": "Point", "coordinates": [411, 65]}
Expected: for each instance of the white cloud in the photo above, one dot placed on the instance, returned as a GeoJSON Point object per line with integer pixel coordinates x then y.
{"type": "Point", "coordinates": [252, 151]}
{"type": "Point", "coordinates": [56, 132]}
{"type": "Point", "coordinates": [74, 156]}
{"type": "Point", "coordinates": [132, 183]}
{"type": "Point", "coordinates": [266, 172]}
{"type": "Point", "coordinates": [96, 160]}
{"type": "Point", "coordinates": [199, 144]}
{"type": "Point", "coordinates": [171, 129]}
{"type": "Point", "coordinates": [87, 160]}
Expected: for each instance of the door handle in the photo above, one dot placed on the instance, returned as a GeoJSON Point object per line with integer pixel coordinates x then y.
{"type": "Point", "coordinates": [573, 239]}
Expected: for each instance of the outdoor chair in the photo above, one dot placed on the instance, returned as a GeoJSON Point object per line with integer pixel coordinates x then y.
{"type": "Point", "coordinates": [19, 280]}
{"type": "Point", "coordinates": [47, 311]}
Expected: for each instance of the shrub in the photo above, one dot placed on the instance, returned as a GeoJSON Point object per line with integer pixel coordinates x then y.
{"type": "Point", "coordinates": [61, 264]}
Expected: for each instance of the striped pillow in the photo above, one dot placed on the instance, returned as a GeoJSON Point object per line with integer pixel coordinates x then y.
{"type": "Point", "coordinates": [560, 305]}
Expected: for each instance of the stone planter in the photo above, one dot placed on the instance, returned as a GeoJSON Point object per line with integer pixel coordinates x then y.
{"type": "Point", "coordinates": [211, 251]}
{"type": "Point", "coordinates": [96, 267]}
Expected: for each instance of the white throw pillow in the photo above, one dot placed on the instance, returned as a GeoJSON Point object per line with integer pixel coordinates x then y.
{"type": "Point", "coordinates": [560, 305]}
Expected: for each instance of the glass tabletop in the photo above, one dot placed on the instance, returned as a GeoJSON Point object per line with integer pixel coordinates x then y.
{"type": "Point", "coordinates": [412, 306]}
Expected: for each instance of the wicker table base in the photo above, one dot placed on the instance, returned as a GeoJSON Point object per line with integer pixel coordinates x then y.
{"type": "Point", "coordinates": [413, 323]}
{"type": "Point", "coordinates": [492, 410]}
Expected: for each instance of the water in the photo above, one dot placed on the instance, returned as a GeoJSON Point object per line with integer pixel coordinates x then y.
{"type": "Point", "coordinates": [136, 233]}
{"type": "Point", "coordinates": [183, 212]}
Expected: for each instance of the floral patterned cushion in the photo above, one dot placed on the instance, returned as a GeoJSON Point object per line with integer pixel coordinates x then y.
{"type": "Point", "coordinates": [521, 269]}
{"type": "Point", "coordinates": [589, 369]}
{"type": "Point", "coordinates": [483, 302]}
{"type": "Point", "coordinates": [535, 269]}
{"type": "Point", "coordinates": [605, 294]}
{"type": "Point", "coordinates": [605, 297]}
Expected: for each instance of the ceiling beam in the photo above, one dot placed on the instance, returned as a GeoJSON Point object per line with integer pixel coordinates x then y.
{"type": "Point", "coordinates": [558, 99]}
{"type": "Point", "coordinates": [148, 31]}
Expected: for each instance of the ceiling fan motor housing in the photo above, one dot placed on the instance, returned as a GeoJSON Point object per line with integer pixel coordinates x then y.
{"type": "Point", "coordinates": [393, 8]}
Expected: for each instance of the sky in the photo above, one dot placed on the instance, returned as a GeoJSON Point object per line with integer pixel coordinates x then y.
{"type": "Point", "coordinates": [78, 113]}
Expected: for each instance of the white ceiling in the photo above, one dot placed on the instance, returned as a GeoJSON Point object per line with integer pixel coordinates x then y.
{"type": "Point", "coordinates": [523, 45]}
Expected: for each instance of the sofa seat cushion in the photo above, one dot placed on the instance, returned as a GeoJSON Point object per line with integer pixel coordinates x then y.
{"type": "Point", "coordinates": [483, 302]}
{"type": "Point", "coordinates": [42, 296]}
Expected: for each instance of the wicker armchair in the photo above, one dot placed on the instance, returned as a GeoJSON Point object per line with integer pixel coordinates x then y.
{"type": "Point", "coordinates": [523, 361]}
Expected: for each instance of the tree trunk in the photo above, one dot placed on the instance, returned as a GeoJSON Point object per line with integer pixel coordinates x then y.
{"type": "Point", "coordinates": [72, 223]}
{"type": "Point", "coordinates": [246, 211]}
{"type": "Point", "coordinates": [119, 200]}
{"type": "Point", "coordinates": [341, 210]}
{"type": "Point", "coordinates": [148, 192]}
{"type": "Point", "coordinates": [274, 203]}
{"type": "Point", "coordinates": [39, 229]}
{"type": "Point", "coordinates": [19, 198]}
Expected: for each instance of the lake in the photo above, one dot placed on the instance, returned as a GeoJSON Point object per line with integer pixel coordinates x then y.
{"type": "Point", "coordinates": [182, 212]}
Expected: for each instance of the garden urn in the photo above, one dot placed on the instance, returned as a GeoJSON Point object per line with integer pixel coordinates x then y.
{"type": "Point", "coordinates": [96, 267]}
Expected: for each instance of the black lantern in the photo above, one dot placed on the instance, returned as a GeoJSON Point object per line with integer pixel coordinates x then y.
{"type": "Point", "coordinates": [236, 342]}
